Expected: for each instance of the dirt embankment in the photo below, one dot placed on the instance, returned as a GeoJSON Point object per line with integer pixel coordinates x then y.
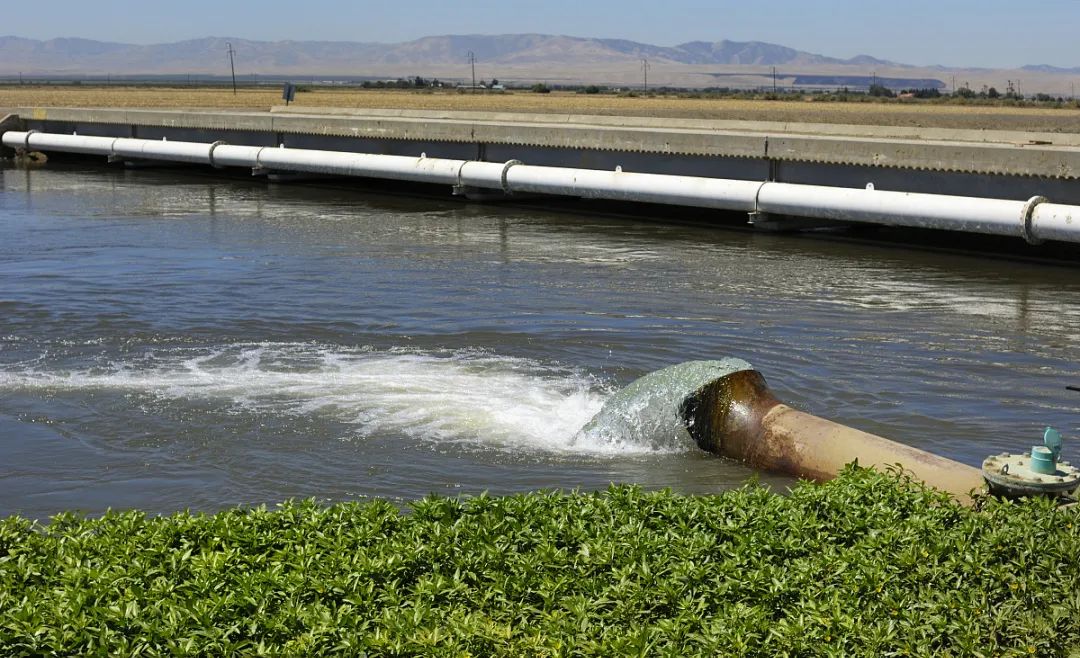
{"type": "Point", "coordinates": [888, 114]}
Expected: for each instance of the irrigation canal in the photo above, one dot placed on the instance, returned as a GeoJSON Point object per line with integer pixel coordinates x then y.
{"type": "Point", "coordinates": [170, 340]}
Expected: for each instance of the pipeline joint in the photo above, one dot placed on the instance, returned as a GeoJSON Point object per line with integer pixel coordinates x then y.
{"type": "Point", "coordinates": [1026, 217]}
{"type": "Point", "coordinates": [505, 171]}
{"type": "Point", "coordinates": [26, 138]}
{"type": "Point", "coordinates": [112, 157]}
{"type": "Point", "coordinates": [24, 157]}
{"type": "Point", "coordinates": [259, 169]}
{"type": "Point", "coordinates": [210, 154]}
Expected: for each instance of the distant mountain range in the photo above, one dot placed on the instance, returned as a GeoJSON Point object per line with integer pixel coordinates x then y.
{"type": "Point", "coordinates": [511, 57]}
{"type": "Point", "coordinates": [83, 56]}
{"type": "Point", "coordinates": [1046, 68]}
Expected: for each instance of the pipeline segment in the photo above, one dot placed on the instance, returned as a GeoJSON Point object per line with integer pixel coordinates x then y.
{"type": "Point", "coordinates": [737, 416]}
{"type": "Point", "coordinates": [726, 407]}
{"type": "Point", "coordinates": [1034, 220]}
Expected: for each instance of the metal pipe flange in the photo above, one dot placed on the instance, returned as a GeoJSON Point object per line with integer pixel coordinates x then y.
{"type": "Point", "coordinates": [1026, 216]}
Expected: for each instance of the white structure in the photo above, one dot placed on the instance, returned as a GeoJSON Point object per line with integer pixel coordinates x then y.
{"type": "Point", "coordinates": [1035, 219]}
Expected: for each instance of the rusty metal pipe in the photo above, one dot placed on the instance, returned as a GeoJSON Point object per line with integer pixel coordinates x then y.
{"type": "Point", "coordinates": [737, 416]}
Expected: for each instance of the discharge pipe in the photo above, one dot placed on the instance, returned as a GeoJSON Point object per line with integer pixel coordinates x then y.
{"type": "Point", "coordinates": [728, 409]}
{"type": "Point", "coordinates": [1034, 220]}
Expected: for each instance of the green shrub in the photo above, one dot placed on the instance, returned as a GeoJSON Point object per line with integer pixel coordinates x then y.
{"type": "Point", "coordinates": [868, 564]}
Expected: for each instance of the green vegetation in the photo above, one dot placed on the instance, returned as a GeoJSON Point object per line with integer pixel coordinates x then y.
{"type": "Point", "coordinates": [868, 564]}
{"type": "Point", "coordinates": [403, 83]}
{"type": "Point", "coordinates": [881, 91]}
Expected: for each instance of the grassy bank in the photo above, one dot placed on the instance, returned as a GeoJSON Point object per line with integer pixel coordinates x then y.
{"type": "Point", "coordinates": [791, 108]}
{"type": "Point", "coordinates": [866, 565]}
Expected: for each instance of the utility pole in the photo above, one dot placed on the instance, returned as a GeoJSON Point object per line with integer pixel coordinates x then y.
{"type": "Point", "coordinates": [645, 72]}
{"type": "Point", "coordinates": [232, 67]}
{"type": "Point", "coordinates": [774, 79]}
{"type": "Point", "coordinates": [472, 63]}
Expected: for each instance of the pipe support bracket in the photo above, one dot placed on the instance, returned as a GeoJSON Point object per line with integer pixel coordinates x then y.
{"type": "Point", "coordinates": [756, 212]}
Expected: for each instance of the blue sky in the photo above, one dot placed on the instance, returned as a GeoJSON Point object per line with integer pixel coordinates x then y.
{"type": "Point", "coordinates": [990, 33]}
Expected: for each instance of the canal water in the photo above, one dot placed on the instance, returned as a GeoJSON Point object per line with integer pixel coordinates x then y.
{"type": "Point", "coordinates": [169, 340]}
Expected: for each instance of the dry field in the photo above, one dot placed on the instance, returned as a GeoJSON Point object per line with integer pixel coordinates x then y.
{"type": "Point", "coordinates": [891, 114]}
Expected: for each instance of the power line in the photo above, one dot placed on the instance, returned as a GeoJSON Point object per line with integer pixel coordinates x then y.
{"type": "Point", "coordinates": [232, 66]}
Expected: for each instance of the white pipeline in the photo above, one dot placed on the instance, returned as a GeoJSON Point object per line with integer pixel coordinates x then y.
{"type": "Point", "coordinates": [1034, 220]}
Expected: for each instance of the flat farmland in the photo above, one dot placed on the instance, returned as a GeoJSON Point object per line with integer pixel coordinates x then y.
{"type": "Point", "coordinates": [896, 113]}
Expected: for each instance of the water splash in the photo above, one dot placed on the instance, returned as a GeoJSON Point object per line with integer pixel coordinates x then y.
{"type": "Point", "coordinates": [646, 413]}
{"type": "Point", "coordinates": [443, 397]}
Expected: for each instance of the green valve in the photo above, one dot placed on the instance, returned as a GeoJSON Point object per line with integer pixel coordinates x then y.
{"type": "Point", "coordinates": [1044, 457]}
{"type": "Point", "coordinates": [1052, 440]}
{"type": "Point", "coordinates": [1042, 460]}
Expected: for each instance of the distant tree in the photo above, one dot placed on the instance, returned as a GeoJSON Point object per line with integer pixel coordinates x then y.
{"type": "Point", "coordinates": [592, 89]}
{"type": "Point", "coordinates": [964, 92]}
{"type": "Point", "coordinates": [494, 81]}
{"type": "Point", "coordinates": [881, 91]}
{"type": "Point", "coordinates": [540, 88]}
{"type": "Point", "coordinates": [992, 92]}
{"type": "Point", "coordinates": [419, 82]}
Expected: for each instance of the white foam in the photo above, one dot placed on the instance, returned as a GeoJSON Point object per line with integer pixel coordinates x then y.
{"type": "Point", "coordinates": [464, 397]}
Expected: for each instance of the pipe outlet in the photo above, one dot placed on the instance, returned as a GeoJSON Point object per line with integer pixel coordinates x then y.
{"type": "Point", "coordinates": [726, 407]}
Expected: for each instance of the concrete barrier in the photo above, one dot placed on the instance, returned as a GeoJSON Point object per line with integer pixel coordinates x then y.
{"type": "Point", "coordinates": [9, 122]}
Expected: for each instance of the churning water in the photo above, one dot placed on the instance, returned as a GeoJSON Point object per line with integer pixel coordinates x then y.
{"type": "Point", "coordinates": [461, 397]}
{"type": "Point", "coordinates": [169, 340]}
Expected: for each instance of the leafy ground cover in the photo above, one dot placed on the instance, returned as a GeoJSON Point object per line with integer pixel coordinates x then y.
{"type": "Point", "coordinates": [868, 564]}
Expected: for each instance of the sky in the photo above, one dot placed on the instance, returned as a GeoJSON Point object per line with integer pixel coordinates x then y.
{"type": "Point", "coordinates": [983, 33]}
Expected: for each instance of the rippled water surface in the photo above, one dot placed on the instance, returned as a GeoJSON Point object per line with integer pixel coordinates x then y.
{"type": "Point", "coordinates": [170, 340]}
